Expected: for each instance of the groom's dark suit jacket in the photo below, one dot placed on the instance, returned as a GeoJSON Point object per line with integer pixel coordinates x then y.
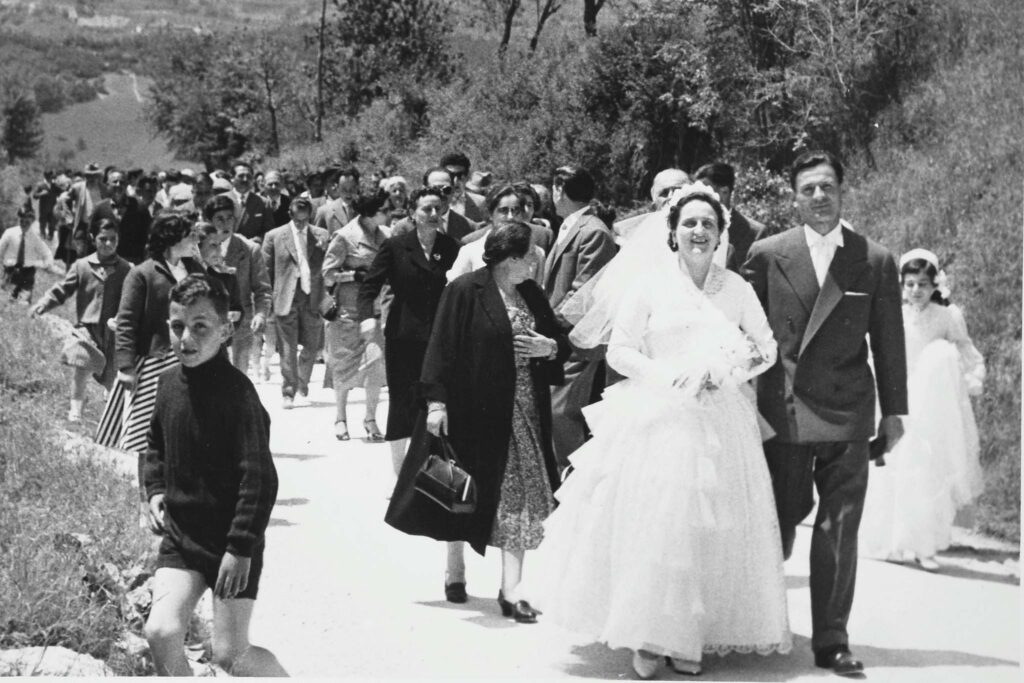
{"type": "Point", "coordinates": [820, 388]}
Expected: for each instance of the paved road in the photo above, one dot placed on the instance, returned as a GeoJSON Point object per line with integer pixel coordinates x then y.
{"type": "Point", "coordinates": [345, 595]}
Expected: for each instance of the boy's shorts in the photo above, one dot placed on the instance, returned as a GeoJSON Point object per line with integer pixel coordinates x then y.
{"type": "Point", "coordinates": [173, 556]}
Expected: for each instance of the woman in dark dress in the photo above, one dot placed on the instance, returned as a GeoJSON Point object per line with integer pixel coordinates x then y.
{"type": "Point", "coordinates": [413, 264]}
{"type": "Point", "coordinates": [493, 353]}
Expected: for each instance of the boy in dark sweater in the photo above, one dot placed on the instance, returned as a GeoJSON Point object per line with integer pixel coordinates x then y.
{"type": "Point", "coordinates": [211, 485]}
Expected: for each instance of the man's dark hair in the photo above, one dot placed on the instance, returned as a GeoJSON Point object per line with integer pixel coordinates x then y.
{"type": "Point", "coordinates": [218, 202]}
{"type": "Point", "coordinates": [147, 182]}
{"type": "Point", "coordinates": [167, 230]}
{"type": "Point", "coordinates": [815, 158]}
{"type": "Point", "coordinates": [576, 182]}
{"type": "Point", "coordinates": [101, 223]}
{"type": "Point", "coordinates": [422, 192]}
{"type": "Point", "coordinates": [507, 240]}
{"type": "Point", "coordinates": [244, 164]}
{"type": "Point", "coordinates": [436, 169]}
{"type": "Point", "coordinates": [201, 286]}
{"type": "Point", "coordinates": [455, 159]}
{"type": "Point", "coordinates": [524, 189]}
{"type": "Point", "coordinates": [718, 173]}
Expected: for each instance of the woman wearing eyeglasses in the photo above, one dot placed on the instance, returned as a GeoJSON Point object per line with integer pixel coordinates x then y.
{"type": "Point", "coordinates": [504, 205]}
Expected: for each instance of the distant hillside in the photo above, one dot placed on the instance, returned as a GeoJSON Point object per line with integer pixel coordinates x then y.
{"type": "Point", "coordinates": [109, 130]}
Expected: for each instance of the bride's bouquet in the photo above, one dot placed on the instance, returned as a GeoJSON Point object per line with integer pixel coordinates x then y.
{"type": "Point", "coordinates": [724, 356]}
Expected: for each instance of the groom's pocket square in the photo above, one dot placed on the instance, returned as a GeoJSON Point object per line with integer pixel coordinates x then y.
{"type": "Point", "coordinates": [855, 294]}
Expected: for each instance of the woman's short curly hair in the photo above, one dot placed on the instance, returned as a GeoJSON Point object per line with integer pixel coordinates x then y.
{"type": "Point", "coordinates": [675, 209]}
{"type": "Point", "coordinates": [369, 205]}
{"type": "Point", "coordinates": [508, 240]}
{"type": "Point", "coordinates": [167, 230]}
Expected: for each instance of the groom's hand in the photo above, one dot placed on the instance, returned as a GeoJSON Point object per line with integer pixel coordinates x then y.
{"type": "Point", "coordinates": [892, 427]}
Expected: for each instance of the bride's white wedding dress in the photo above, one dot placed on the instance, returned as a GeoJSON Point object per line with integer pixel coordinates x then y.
{"type": "Point", "coordinates": [666, 537]}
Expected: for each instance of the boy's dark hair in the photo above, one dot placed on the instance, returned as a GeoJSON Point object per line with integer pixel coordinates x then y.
{"type": "Point", "coordinates": [576, 182]}
{"type": "Point", "coordinates": [147, 182]}
{"type": "Point", "coordinates": [200, 286]}
{"type": "Point", "coordinates": [98, 225]}
{"type": "Point", "coordinates": [815, 158]}
{"type": "Point", "coordinates": [418, 194]}
{"type": "Point", "coordinates": [719, 173]}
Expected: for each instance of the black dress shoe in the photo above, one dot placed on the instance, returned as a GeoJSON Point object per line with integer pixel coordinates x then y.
{"type": "Point", "coordinates": [840, 660]}
{"type": "Point", "coordinates": [456, 592]}
{"type": "Point", "coordinates": [520, 610]}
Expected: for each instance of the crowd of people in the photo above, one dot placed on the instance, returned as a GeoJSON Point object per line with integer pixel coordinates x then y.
{"type": "Point", "coordinates": [645, 405]}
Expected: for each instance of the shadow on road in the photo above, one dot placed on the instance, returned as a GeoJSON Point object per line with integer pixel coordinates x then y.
{"type": "Point", "coordinates": [277, 521]}
{"type": "Point", "coordinates": [301, 457]}
{"type": "Point", "coordinates": [487, 611]}
{"type": "Point", "coordinates": [288, 502]}
{"type": "Point", "coordinates": [598, 661]}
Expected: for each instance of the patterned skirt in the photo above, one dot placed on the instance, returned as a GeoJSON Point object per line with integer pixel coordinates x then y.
{"type": "Point", "coordinates": [125, 421]}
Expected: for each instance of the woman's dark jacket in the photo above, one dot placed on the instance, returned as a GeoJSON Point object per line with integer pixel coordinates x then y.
{"type": "Point", "coordinates": [470, 366]}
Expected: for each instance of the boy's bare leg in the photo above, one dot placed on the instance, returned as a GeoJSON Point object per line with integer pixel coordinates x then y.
{"type": "Point", "coordinates": [232, 650]}
{"type": "Point", "coordinates": [176, 593]}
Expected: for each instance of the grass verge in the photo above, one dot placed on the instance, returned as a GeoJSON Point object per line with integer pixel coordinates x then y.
{"type": "Point", "coordinates": [70, 546]}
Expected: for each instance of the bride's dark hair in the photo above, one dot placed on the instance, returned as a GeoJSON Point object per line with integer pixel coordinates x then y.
{"type": "Point", "coordinates": [674, 210]}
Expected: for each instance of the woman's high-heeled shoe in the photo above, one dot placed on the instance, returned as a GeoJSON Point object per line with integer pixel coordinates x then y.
{"type": "Point", "coordinates": [372, 430]}
{"type": "Point", "coordinates": [341, 431]}
{"type": "Point", "coordinates": [520, 610]}
{"type": "Point", "coordinates": [684, 666]}
{"type": "Point", "coordinates": [645, 665]}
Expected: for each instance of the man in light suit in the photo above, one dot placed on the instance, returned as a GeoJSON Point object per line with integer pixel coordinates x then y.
{"type": "Point", "coordinates": [246, 258]}
{"type": "Point", "coordinates": [453, 224]}
{"type": "Point", "coordinates": [824, 288]}
{"type": "Point", "coordinates": [255, 219]}
{"type": "Point", "coordinates": [583, 246]}
{"type": "Point", "coordinates": [342, 186]}
{"type": "Point", "coordinates": [743, 231]}
{"type": "Point", "coordinates": [294, 254]}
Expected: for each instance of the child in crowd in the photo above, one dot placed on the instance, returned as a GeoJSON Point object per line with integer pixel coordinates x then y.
{"type": "Point", "coordinates": [934, 469]}
{"type": "Point", "coordinates": [210, 241]}
{"type": "Point", "coordinates": [22, 250]}
{"type": "Point", "coordinates": [211, 485]}
{"type": "Point", "coordinates": [95, 281]}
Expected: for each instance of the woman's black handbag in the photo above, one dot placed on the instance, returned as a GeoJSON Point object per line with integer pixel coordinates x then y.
{"type": "Point", "coordinates": [329, 304]}
{"type": "Point", "coordinates": [444, 481]}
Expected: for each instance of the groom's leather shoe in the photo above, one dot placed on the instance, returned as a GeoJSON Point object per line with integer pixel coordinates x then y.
{"type": "Point", "coordinates": [840, 660]}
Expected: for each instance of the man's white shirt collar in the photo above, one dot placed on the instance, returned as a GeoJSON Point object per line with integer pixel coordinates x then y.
{"type": "Point", "coordinates": [833, 237]}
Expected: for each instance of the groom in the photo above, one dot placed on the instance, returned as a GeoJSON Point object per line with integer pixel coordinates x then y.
{"type": "Point", "coordinates": [824, 288]}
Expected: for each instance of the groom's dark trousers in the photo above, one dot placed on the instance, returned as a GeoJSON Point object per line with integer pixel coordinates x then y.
{"type": "Point", "coordinates": [819, 397]}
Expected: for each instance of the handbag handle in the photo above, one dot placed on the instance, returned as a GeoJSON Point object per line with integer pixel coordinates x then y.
{"type": "Point", "coordinates": [448, 451]}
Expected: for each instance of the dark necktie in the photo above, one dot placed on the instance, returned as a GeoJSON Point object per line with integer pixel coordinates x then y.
{"type": "Point", "coordinates": [20, 262]}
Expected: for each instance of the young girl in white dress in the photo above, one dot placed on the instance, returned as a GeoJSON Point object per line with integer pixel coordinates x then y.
{"type": "Point", "coordinates": [666, 541]}
{"type": "Point", "coordinates": [934, 469]}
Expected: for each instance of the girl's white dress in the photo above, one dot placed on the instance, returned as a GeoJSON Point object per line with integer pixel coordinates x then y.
{"type": "Point", "coordinates": [934, 469]}
{"type": "Point", "coordinates": [666, 537]}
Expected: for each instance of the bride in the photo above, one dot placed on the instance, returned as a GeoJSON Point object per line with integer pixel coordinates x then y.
{"type": "Point", "coordinates": [666, 540]}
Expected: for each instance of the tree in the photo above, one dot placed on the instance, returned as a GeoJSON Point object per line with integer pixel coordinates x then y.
{"type": "Point", "coordinates": [545, 10]}
{"type": "Point", "coordinates": [590, 11]}
{"type": "Point", "coordinates": [22, 129]}
{"type": "Point", "coordinates": [375, 48]}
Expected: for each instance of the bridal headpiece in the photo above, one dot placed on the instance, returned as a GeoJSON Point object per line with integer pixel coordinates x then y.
{"type": "Point", "coordinates": [699, 189]}
{"type": "Point", "coordinates": [941, 279]}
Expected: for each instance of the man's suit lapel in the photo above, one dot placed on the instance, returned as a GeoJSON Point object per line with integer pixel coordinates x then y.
{"type": "Point", "coordinates": [798, 269]}
{"type": "Point", "coordinates": [235, 252]}
{"type": "Point", "coordinates": [847, 263]}
{"type": "Point", "coordinates": [289, 242]}
{"type": "Point", "coordinates": [562, 245]}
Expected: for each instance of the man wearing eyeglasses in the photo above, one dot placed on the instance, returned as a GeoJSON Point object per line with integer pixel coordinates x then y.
{"type": "Point", "coordinates": [453, 224]}
{"type": "Point", "coordinates": [463, 202]}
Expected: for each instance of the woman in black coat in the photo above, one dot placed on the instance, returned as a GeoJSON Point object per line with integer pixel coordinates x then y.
{"type": "Point", "coordinates": [413, 264]}
{"type": "Point", "coordinates": [493, 353]}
